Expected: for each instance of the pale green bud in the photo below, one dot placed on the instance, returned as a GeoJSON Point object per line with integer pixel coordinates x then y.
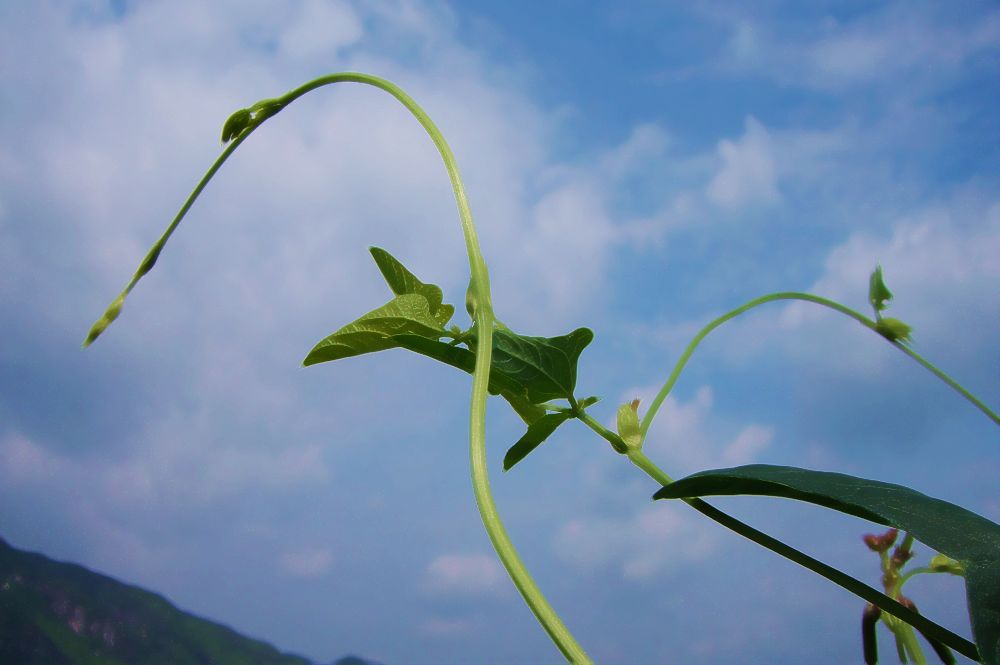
{"type": "Point", "coordinates": [893, 330]}
{"type": "Point", "coordinates": [941, 563]}
{"type": "Point", "coordinates": [628, 424]}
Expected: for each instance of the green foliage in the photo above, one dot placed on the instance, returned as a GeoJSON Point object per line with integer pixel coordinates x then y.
{"type": "Point", "coordinates": [529, 371]}
{"type": "Point", "coordinates": [894, 330]}
{"type": "Point", "coordinates": [59, 613]}
{"type": "Point", "coordinates": [970, 539]}
{"type": "Point", "coordinates": [537, 432]}
{"type": "Point", "coordinates": [878, 292]}
{"type": "Point", "coordinates": [408, 314]}
{"type": "Point", "coordinates": [402, 282]}
{"type": "Point", "coordinates": [525, 371]}
{"type": "Point", "coordinates": [545, 366]}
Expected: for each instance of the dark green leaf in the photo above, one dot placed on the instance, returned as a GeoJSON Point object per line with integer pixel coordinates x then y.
{"type": "Point", "coordinates": [545, 366]}
{"type": "Point", "coordinates": [402, 282]}
{"type": "Point", "coordinates": [525, 370]}
{"type": "Point", "coordinates": [961, 534]}
{"type": "Point", "coordinates": [982, 587]}
{"type": "Point", "coordinates": [537, 432]}
{"type": "Point", "coordinates": [405, 314]}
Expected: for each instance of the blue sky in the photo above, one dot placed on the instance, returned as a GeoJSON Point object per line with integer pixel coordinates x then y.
{"type": "Point", "coordinates": [637, 168]}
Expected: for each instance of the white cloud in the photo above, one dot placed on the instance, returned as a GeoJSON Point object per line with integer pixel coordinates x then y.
{"type": "Point", "coordinates": [657, 539]}
{"type": "Point", "coordinates": [744, 449]}
{"type": "Point", "coordinates": [22, 461]}
{"type": "Point", "coordinates": [747, 174]}
{"type": "Point", "coordinates": [320, 28]}
{"type": "Point", "coordinates": [307, 561]}
{"type": "Point", "coordinates": [895, 47]}
{"type": "Point", "coordinates": [464, 574]}
{"type": "Point", "coordinates": [682, 439]}
{"type": "Point", "coordinates": [166, 473]}
{"type": "Point", "coordinates": [939, 262]}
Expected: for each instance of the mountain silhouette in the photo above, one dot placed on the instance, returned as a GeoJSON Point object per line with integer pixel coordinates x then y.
{"type": "Point", "coordinates": [54, 613]}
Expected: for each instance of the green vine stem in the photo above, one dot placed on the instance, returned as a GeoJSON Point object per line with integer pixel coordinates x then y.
{"type": "Point", "coordinates": [239, 127]}
{"type": "Point", "coordinates": [808, 297]}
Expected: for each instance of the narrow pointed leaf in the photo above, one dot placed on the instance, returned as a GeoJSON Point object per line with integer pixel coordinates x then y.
{"type": "Point", "coordinates": [537, 432]}
{"type": "Point", "coordinates": [402, 282]}
{"type": "Point", "coordinates": [405, 314]}
{"type": "Point", "coordinates": [952, 530]}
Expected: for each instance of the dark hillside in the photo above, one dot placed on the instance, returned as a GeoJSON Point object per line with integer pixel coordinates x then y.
{"type": "Point", "coordinates": [55, 613]}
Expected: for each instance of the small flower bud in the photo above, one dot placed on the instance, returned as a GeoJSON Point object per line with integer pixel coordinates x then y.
{"type": "Point", "coordinates": [900, 556]}
{"type": "Point", "coordinates": [112, 312]}
{"type": "Point", "coordinates": [945, 564]}
{"type": "Point", "coordinates": [893, 330]}
{"type": "Point", "coordinates": [628, 424]}
{"type": "Point", "coordinates": [881, 543]}
{"type": "Point", "coordinates": [235, 124]}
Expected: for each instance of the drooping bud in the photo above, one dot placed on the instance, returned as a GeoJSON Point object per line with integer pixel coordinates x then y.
{"type": "Point", "coordinates": [110, 314]}
{"type": "Point", "coordinates": [235, 124]}
{"type": "Point", "coordinates": [869, 638]}
{"type": "Point", "coordinates": [628, 424]}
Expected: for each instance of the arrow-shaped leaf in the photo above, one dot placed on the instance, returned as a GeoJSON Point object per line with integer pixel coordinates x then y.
{"type": "Point", "coordinates": [949, 529]}
{"type": "Point", "coordinates": [403, 282]}
{"type": "Point", "coordinates": [405, 314]}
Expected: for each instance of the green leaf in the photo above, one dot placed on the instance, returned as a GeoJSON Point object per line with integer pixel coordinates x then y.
{"type": "Point", "coordinates": [402, 282]}
{"type": "Point", "coordinates": [545, 366]}
{"type": "Point", "coordinates": [963, 535]}
{"type": "Point", "coordinates": [878, 292]}
{"type": "Point", "coordinates": [528, 412]}
{"type": "Point", "coordinates": [537, 432]}
{"type": "Point", "coordinates": [405, 314]}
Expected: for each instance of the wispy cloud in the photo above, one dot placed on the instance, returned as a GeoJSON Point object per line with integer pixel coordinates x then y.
{"type": "Point", "coordinates": [747, 174]}
{"type": "Point", "coordinates": [464, 575]}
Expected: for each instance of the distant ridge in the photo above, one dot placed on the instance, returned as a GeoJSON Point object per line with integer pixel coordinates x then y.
{"type": "Point", "coordinates": [54, 613]}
